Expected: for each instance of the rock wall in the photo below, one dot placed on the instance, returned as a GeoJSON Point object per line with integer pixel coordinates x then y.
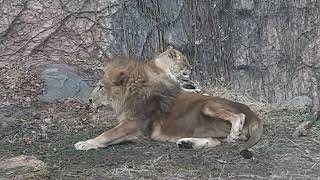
{"type": "Point", "coordinates": [268, 49]}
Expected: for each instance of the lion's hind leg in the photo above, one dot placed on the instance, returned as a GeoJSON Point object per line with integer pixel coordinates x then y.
{"type": "Point", "coordinates": [237, 120]}
{"type": "Point", "coordinates": [237, 126]}
{"type": "Point", "coordinates": [197, 143]}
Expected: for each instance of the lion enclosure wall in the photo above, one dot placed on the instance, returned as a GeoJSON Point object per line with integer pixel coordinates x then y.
{"type": "Point", "coordinates": [267, 49]}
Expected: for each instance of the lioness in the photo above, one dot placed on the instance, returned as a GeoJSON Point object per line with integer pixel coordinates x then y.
{"type": "Point", "coordinates": [150, 103]}
{"type": "Point", "coordinates": [173, 63]}
{"type": "Point", "coordinates": [176, 66]}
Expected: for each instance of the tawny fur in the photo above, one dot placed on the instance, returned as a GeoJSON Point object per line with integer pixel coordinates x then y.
{"type": "Point", "coordinates": [150, 103]}
{"type": "Point", "coordinates": [171, 62]}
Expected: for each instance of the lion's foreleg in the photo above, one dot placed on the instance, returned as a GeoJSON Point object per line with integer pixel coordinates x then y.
{"type": "Point", "coordinates": [125, 131]}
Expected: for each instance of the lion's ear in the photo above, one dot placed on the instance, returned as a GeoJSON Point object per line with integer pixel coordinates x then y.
{"type": "Point", "coordinates": [120, 78]}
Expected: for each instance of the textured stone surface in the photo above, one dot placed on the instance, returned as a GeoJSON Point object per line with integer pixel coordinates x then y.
{"type": "Point", "coordinates": [268, 49]}
{"type": "Point", "coordinates": [23, 168]}
{"type": "Point", "coordinates": [298, 102]}
{"type": "Point", "coordinates": [62, 82]}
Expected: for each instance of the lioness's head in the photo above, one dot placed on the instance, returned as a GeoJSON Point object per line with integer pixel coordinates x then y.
{"type": "Point", "coordinates": [174, 63]}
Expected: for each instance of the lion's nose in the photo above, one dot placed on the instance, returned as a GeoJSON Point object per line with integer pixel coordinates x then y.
{"type": "Point", "coordinates": [90, 101]}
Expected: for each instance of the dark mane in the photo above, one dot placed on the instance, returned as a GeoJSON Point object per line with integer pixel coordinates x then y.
{"type": "Point", "coordinates": [148, 93]}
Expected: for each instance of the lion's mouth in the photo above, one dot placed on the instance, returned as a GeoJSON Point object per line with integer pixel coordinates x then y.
{"type": "Point", "coordinates": [183, 78]}
{"type": "Point", "coordinates": [186, 76]}
{"type": "Point", "coordinates": [188, 86]}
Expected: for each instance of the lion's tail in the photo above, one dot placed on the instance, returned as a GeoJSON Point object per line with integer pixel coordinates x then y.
{"type": "Point", "coordinates": [255, 132]}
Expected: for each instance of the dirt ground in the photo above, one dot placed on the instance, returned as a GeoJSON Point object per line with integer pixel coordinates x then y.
{"type": "Point", "coordinates": [48, 132]}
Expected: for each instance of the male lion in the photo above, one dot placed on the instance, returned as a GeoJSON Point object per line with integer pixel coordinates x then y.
{"type": "Point", "coordinates": [149, 103]}
{"type": "Point", "coordinates": [172, 62]}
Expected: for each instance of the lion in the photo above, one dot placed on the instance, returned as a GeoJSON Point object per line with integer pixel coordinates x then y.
{"type": "Point", "coordinates": [150, 104]}
{"type": "Point", "coordinates": [172, 62]}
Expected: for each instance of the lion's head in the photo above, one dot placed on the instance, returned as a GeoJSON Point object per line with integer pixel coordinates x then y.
{"type": "Point", "coordinates": [174, 63]}
{"type": "Point", "coordinates": [130, 84]}
{"type": "Point", "coordinates": [110, 86]}
{"type": "Point", "coordinates": [98, 97]}
{"type": "Point", "coordinates": [171, 61]}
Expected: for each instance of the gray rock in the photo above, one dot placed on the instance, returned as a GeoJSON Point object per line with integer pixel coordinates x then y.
{"type": "Point", "coordinates": [298, 102]}
{"type": "Point", "coordinates": [62, 82]}
{"type": "Point", "coordinates": [23, 167]}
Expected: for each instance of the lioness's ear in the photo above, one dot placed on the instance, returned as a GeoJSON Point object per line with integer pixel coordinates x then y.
{"type": "Point", "coordinates": [172, 53]}
{"type": "Point", "coordinates": [120, 78]}
{"type": "Point", "coordinates": [169, 47]}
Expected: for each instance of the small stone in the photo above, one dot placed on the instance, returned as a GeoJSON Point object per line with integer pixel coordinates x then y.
{"type": "Point", "coordinates": [246, 154]}
{"type": "Point", "coordinates": [23, 168]}
{"type": "Point", "coordinates": [36, 116]}
{"type": "Point", "coordinates": [307, 151]}
{"type": "Point", "coordinates": [47, 120]}
{"type": "Point", "coordinates": [28, 99]}
{"type": "Point", "coordinates": [4, 125]}
{"type": "Point", "coordinates": [3, 64]}
{"type": "Point", "coordinates": [6, 103]}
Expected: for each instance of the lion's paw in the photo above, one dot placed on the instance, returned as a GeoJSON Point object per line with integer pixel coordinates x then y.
{"type": "Point", "coordinates": [197, 143]}
{"type": "Point", "coordinates": [185, 143]}
{"type": "Point", "coordinates": [86, 145]}
{"type": "Point", "coordinates": [233, 138]}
